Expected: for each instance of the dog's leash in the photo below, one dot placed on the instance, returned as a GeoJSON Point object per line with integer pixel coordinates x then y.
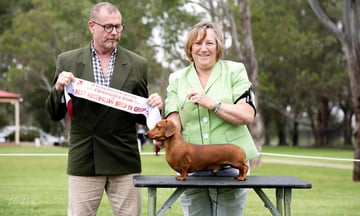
{"type": "Point", "coordinates": [202, 139]}
{"type": "Point", "coordinates": [198, 108]}
{"type": "Point", "coordinates": [157, 149]}
{"type": "Point", "coordinates": [182, 107]}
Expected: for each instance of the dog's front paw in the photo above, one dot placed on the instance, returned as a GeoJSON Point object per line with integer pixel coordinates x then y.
{"type": "Point", "coordinates": [240, 178]}
{"type": "Point", "coordinates": [181, 178]}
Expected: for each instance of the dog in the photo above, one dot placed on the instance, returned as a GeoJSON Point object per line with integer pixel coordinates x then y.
{"type": "Point", "coordinates": [186, 157]}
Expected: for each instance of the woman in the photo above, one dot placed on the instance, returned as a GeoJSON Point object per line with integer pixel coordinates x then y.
{"type": "Point", "coordinates": [211, 102]}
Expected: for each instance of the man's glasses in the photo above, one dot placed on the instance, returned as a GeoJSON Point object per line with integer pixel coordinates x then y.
{"type": "Point", "coordinates": [110, 27]}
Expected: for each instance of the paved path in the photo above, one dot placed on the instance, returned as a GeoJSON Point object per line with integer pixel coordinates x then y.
{"type": "Point", "coordinates": [308, 163]}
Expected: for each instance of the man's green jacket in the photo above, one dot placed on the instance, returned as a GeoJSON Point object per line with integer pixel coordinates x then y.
{"type": "Point", "coordinates": [102, 139]}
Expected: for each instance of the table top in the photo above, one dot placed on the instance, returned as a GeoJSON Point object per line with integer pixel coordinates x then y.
{"type": "Point", "coordinates": [220, 182]}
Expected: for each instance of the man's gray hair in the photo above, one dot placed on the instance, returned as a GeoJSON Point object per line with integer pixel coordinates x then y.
{"type": "Point", "coordinates": [110, 8]}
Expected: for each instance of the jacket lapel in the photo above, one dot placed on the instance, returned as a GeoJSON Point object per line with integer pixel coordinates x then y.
{"type": "Point", "coordinates": [194, 81]}
{"type": "Point", "coordinates": [84, 70]}
{"type": "Point", "coordinates": [215, 74]}
{"type": "Point", "coordinates": [121, 70]}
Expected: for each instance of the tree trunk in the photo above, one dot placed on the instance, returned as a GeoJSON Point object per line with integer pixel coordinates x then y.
{"type": "Point", "coordinates": [252, 69]}
{"type": "Point", "coordinates": [295, 134]}
{"type": "Point", "coordinates": [354, 70]}
{"type": "Point", "coordinates": [346, 107]}
{"type": "Point", "coordinates": [266, 122]}
{"type": "Point", "coordinates": [281, 130]}
{"type": "Point", "coordinates": [323, 121]}
{"type": "Point", "coordinates": [313, 125]}
{"type": "Point", "coordinates": [346, 125]}
{"type": "Point", "coordinates": [282, 137]}
{"type": "Point", "coordinates": [352, 54]}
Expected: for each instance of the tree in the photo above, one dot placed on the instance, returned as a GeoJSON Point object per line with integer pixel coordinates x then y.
{"type": "Point", "coordinates": [39, 32]}
{"type": "Point", "coordinates": [349, 38]}
{"type": "Point", "coordinates": [294, 81]}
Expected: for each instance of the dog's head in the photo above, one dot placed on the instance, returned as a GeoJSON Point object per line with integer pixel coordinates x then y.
{"type": "Point", "coordinates": [163, 130]}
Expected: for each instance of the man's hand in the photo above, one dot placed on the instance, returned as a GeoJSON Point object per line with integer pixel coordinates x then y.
{"type": "Point", "coordinates": [64, 79]}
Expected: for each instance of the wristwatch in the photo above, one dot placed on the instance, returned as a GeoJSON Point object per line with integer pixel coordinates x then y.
{"type": "Point", "coordinates": [217, 106]}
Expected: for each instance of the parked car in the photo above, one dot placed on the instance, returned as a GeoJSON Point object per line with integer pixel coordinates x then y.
{"type": "Point", "coordinates": [5, 133]}
{"type": "Point", "coordinates": [30, 133]}
{"type": "Point", "coordinates": [48, 139]}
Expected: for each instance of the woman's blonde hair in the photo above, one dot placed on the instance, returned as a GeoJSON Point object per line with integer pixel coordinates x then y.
{"type": "Point", "coordinates": [200, 28]}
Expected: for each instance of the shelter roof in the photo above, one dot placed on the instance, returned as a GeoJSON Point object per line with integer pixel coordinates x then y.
{"type": "Point", "coordinates": [6, 94]}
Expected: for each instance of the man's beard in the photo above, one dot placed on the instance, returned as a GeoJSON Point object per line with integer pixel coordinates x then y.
{"type": "Point", "coordinates": [111, 43]}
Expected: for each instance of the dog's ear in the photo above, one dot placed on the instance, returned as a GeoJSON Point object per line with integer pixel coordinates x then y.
{"type": "Point", "coordinates": [169, 128]}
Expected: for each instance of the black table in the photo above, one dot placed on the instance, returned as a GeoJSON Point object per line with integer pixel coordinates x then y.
{"type": "Point", "coordinates": [282, 185]}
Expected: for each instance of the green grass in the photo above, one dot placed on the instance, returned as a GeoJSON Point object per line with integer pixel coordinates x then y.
{"type": "Point", "coordinates": [37, 185]}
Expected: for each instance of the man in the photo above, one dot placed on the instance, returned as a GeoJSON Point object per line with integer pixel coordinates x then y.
{"type": "Point", "coordinates": [103, 153]}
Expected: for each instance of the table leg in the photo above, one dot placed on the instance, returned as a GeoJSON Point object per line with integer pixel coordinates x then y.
{"type": "Point", "coordinates": [287, 201]}
{"type": "Point", "coordinates": [267, 202]}
{"type": "Point", "coordinates": [279, 200]}
{"type": "Point", "coordinates": [170, 201]}
{"type": "Point", "coordinates": [151, 201]}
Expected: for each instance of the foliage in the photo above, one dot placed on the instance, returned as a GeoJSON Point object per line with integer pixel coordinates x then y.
{"type": "Point", "coordinates": [31, 46]}
{"type": "Point", "coordinates": [346, 29]}
{"type": "Point", "coordinates": [291, 50]}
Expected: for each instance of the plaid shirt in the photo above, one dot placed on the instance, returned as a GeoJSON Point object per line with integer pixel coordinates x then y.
{"type": "Point", "coordinates": [98, 73]}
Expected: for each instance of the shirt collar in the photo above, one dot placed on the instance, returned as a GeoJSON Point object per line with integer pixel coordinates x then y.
{"type": "Point", "coordinates": [93, 52]}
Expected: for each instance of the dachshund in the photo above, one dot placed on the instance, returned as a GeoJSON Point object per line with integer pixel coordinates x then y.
{"type": "Point", "coordinates": [186, 157]}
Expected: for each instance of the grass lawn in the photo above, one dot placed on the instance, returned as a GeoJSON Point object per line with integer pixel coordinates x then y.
{"type": "Point", "coordinates": [37, 185]}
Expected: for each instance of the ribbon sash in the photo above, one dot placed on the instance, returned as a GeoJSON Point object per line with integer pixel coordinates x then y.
{"type": "Point", "coordinates": [111, 97]}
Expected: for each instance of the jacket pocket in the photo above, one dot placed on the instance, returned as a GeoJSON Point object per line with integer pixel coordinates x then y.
{"type": "Point", "coordinates": [234, 135]}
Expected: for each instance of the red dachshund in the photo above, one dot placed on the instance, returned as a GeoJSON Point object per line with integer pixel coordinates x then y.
{"type": "Point", "coordinates": [186, 157]}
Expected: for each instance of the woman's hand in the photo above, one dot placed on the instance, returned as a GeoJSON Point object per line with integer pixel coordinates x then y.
{"type": "Point", "coordinates": [200, 98]}
{"type": "Point", "coordinates": [155, 100]}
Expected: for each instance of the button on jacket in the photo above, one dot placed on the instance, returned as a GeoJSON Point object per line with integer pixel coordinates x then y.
{"type": "Point", "coordinates": [102, 139]}
{"type": "Point", "coordinates": [227, 82]}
